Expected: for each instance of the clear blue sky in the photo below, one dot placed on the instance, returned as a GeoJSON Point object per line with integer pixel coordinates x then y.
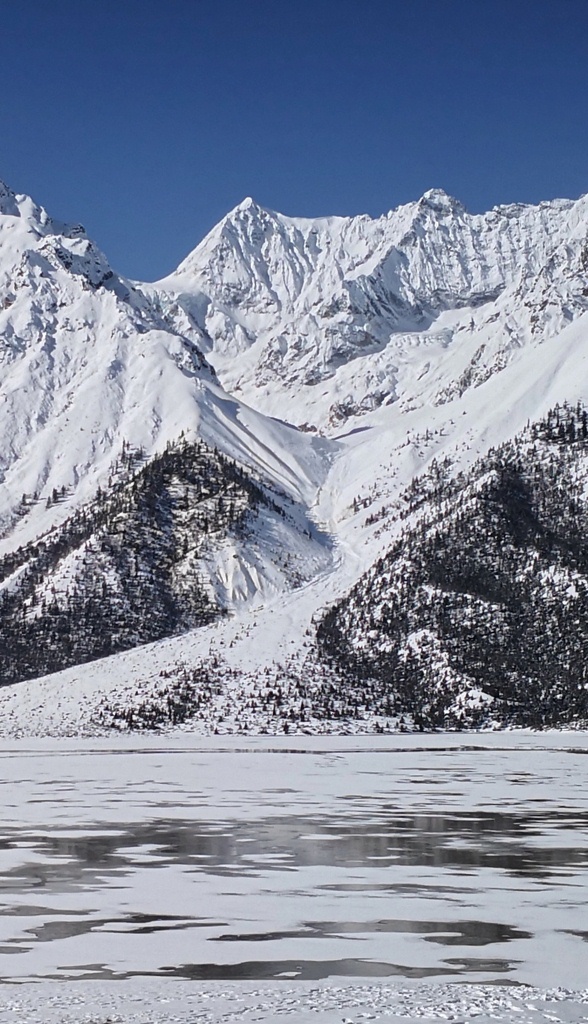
{"type": "Point", "coordinates": [147, 120]}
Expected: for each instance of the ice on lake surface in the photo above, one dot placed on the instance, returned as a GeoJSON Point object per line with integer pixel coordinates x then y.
{"type": "Point", "coordinates": [403, 859]}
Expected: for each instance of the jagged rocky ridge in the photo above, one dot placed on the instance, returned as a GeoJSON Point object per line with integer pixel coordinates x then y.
{"type": "Point", "coordinates": [341, 315]}
{"type": "Point", "coordinates": [479, 611]}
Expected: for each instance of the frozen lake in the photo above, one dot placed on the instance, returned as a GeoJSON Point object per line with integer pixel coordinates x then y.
{"type": "Point", "coordinates": [402, 859]}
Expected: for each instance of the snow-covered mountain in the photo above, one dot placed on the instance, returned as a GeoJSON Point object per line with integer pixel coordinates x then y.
{"type": "Point", "coordinates": [89, 366]}
{"type": "Point", "coordinates": [114, 500]}
{"type": "Point", "coordinates": [87, 361]}
{"type": "Point", "coordinates": [295, 376]}
{"type": "Point", "coordinates": [331, 318]}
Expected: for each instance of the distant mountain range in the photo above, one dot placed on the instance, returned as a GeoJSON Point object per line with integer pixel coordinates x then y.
{"type": "Point", "coordinates": [329, 475]}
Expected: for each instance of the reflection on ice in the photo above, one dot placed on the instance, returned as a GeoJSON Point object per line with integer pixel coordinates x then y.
{"type": "Point", "coordinates": [257, 865]}
{"type": "Point", "coordinates": [315, 970]}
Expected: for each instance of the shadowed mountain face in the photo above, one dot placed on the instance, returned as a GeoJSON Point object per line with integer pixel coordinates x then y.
{"type": "Point", "coordinates": [142, 560]}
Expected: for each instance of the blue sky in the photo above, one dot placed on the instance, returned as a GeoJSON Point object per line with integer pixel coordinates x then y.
{"type": "Point", "coordinates": [147, 120]}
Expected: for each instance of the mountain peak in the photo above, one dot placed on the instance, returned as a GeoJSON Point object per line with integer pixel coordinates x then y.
{"type": "Point", "coordinates": [440, 200]}
{"type": "Point", "coordinates": [21, 205]}
{"type": "Point", "coordinates": [247, 205]}
{"type": "Point", "coordinates": [8, 204]}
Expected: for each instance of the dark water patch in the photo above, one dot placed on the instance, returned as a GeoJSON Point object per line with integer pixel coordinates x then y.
{"type": "Point", "coordinates": [447, 933]}
{"type": "Point", "coordinates": [253, 970]}
{"type": "Point", "coordinates": [33, 910]}
{"type": "Point", "coordinates": [306, 970]}
{"type": "Point", "coordinates": [52, 930]}
{"type": "Point", "coordinates": [383, 837]}
{"type": "Point", "coordinates": [467, 933]}
{"type": "Point", "coordinates": [397, 888]}
{"type": "Point", "coordinates": [306, 932]}
{"type": "Point", "coordinates": [131, 924]}
{"type": "Point", "coordinates": [482, 965]}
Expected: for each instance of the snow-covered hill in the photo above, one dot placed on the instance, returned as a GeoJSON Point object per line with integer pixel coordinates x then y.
{"type": "Point", "coordinates": [425, 336]}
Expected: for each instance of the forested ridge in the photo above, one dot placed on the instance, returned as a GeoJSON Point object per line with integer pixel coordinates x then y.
{"type": "Point", "coordinates": [125, 569]}
{"type": "Point", "coordinates": [479, 611]}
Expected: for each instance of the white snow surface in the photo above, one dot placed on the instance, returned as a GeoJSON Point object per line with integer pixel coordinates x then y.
{"type": "Point", "coordinates": [148, 1002]}
{"type": "Point", "coordinates": [425, 333]}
